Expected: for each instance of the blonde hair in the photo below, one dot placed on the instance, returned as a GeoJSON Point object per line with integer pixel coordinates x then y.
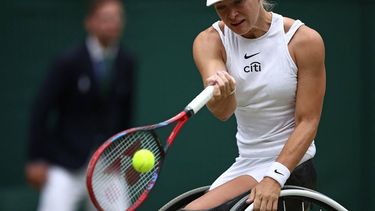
{"type": "Point", "coordinates": [268, 5]}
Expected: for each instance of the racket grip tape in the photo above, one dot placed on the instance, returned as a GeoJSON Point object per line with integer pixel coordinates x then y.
{"type": "Point", "coordinates": [199, 101]}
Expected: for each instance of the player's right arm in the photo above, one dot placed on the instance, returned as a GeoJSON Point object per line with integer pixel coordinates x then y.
{"type": "Point", "coordinates": [209, 56]}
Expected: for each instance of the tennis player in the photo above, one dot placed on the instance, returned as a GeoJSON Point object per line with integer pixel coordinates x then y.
{"type": "Point", "coordinates": [269, 71]}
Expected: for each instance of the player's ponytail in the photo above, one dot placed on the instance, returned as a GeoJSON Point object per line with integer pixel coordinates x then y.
{"type": "Point", "coordinates": [268, 5]}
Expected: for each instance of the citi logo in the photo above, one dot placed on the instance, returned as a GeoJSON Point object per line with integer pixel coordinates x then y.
{"type": "Point", "coordinates": [253, 67]}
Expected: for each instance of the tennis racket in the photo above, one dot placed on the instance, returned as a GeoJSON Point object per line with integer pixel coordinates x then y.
{"type": "Point", "coordinates": [112, 182]}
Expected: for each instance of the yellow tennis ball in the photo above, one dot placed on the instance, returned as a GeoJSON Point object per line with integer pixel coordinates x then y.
{"type": "Point", "coordinates": [143, 161]}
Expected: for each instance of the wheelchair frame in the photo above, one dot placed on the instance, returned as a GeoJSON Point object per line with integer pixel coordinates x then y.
{"type": "Point", "coordinates": [293, 192]}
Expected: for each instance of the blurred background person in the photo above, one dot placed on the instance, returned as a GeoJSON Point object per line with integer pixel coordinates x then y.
{"type": "Point", "coordinates": [86, 97]}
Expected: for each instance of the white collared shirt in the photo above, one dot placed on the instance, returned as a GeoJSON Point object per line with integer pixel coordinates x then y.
{"type": "Point", "coordinates": [97, 52]}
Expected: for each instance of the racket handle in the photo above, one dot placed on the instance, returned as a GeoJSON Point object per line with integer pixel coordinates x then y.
{"type": "Point", "coordinates": [199, 101]}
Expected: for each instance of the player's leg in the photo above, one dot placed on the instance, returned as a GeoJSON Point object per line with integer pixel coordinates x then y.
{"type": "Point", "coordinates": [60, 192]}
{"type": "Point", "coordinates": [304, 175]}
{"type": "Point", "coordinates": [182, 200]}
{"type": "Point", "coordinates": [223, 193]}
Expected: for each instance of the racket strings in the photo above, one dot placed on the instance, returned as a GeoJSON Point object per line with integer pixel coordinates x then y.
{"type": "Point", "coordinates": [123, 170]}
{"type": "Point", "coordinates": [116, 184]}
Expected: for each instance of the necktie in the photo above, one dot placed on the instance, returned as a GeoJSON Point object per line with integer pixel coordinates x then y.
{"type": "Point", "coordinates": [103, 72]}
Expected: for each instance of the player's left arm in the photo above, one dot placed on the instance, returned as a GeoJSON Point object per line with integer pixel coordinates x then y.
{"type": "Point", "coordinates": [307, 48]}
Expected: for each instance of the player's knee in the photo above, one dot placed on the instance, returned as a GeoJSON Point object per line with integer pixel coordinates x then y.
{"type": "Point", "coordinates": [223, 207]}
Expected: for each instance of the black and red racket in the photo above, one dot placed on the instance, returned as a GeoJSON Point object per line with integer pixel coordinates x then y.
{"type": "Point", "coordinates": [112, 182]}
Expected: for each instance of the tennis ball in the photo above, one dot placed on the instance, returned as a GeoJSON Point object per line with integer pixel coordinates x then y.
{"type": "Point", "coordinates": [143, 161]}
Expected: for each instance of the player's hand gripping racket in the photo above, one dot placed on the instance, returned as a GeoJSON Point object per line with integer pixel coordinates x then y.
{"type": "Point", "coordinates": [113, 184]}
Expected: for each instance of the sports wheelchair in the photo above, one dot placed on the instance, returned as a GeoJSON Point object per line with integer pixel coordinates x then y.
{"type": "Point", "coordinates": [292, 198]}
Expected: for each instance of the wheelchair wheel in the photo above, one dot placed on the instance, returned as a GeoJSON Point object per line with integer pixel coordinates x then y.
{"type": "Point", "coordinates": [293, 198]}
{"type": "Point", "coordinates": [184, 199]}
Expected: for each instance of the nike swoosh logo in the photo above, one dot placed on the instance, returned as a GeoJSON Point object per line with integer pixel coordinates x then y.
{"type": "Point", "coordinates": [278, 172]}
{"type": "Point", "coordinates": [248, 57]}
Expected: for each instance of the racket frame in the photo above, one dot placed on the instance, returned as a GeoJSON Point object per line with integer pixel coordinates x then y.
{"type": "Point", "coordinates": [180, 119]}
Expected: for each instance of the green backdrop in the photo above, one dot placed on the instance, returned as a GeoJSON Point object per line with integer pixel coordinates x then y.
{"type": "Point", "coordinates": [161, 33]}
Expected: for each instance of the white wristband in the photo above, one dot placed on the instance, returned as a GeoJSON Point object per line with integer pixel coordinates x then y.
{"type": "Point", "coordinates": [278, 172]}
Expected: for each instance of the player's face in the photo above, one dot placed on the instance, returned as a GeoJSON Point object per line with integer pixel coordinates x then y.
{"type": "Point", "coordinates": [239, 15]}
{"type": "Point", "coordinates": [107, 23]}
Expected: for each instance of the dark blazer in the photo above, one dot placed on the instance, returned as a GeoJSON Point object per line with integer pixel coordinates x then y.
{"type": "Point", "coordinates": [71, 117]}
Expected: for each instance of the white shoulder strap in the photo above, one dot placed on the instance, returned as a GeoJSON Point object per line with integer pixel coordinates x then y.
{"type": "Point", "coordinates": [218, 29]}
{"type": "Point", "coordinates": [289, 35]}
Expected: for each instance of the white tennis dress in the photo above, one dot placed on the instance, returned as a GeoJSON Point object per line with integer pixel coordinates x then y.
{"type": "Point", "coordinates": [266, 83]}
